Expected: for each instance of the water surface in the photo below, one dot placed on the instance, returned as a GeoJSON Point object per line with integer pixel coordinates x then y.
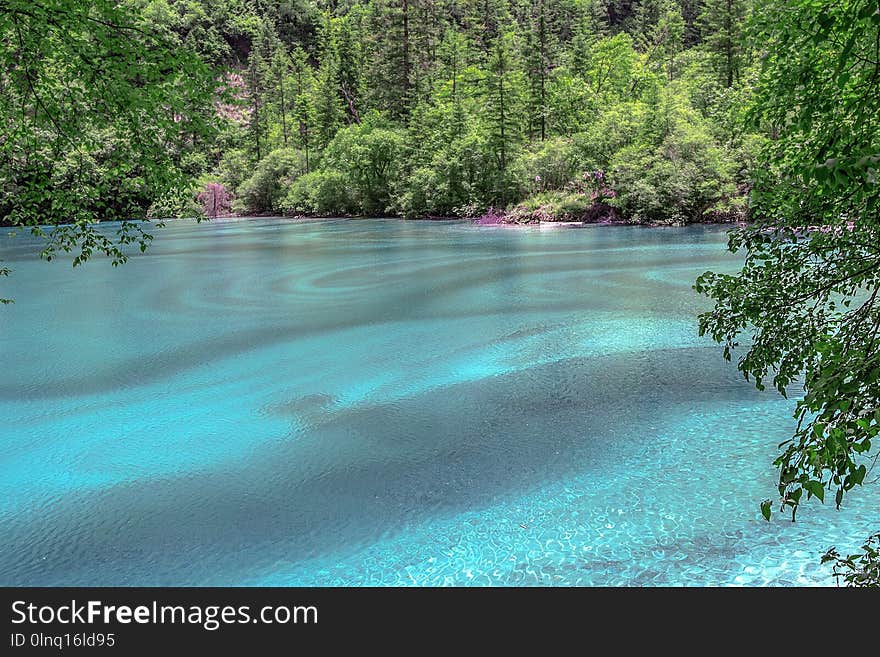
{"type": "Point", "coordinates": [270, 402]}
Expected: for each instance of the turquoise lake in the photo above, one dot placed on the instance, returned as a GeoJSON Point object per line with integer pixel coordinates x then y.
{"type": "Point", "coordinates": [380, 402]}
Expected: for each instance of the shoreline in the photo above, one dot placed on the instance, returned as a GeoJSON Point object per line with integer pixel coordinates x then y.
{"type": "Point", "coordinates": [470, 221]}
{"type": "Point", "coordinates": [474, 221]}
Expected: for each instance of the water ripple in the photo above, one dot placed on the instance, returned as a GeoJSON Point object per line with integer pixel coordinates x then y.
{"type": "Point", "coordinates": [385, 402]}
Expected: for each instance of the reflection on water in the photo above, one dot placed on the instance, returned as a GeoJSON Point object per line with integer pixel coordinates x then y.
{"type": "Point", "coordinates": [383, 402]}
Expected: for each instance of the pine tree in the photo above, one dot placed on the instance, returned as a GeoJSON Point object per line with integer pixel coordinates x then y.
{"type": "Point", "coordinates": [349, 66]}
{"type": "Point", "coordinates": [591, 25]}
{"type": "Point", "coordinates": [260, 85]}
{"type": "Point", "coordinates": [538, 63]}
{"type": "Point", "coordinates": [453, 52]}
{"type": "Point", "coordinates": [256, 91]}
{"type": "Point", "coordinates": [691, 11]}
{"type": "Point", "coordinates": [659, 31]}
{"type": "Point", "coordinates": [280, 71]}
{"type": "Point", "coordinates": [303, 101]}
{"type": "Point", "coordinates": [504, 99]}
{"type": "Point", "coordinates": [722, 23]}
{"type": "Point", "coordinates": [328, 108]}
{"type": "Point", "coordinates": [390, 55]}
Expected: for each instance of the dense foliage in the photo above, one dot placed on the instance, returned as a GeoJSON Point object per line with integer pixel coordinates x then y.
{"type": "Point", "coordinates": [807, 296]}
{"type": "Point", "coordinates": [413, 108]}
{"type": "Point", "coordinates": [419, 108]}
{"type": "Point", "coordinates": [99, 115]}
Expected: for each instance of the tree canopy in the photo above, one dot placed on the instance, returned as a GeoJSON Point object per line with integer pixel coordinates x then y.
{"type": "Point", "coordinates": [99, 111]}
{"type": "Point", "coordinates": [805, 303]}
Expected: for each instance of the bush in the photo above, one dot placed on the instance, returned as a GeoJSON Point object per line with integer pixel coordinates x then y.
{"type": "Point", "coordinates": [686, 178]}
{"type": "Point", "coordinates": [616, 127]}
{"type": "Point", "coordinates": [423, 193]}
{"type": "Point", "coordinates": [234, 168]}
{"type": "Point", "coordinates": [265, 189]}
{"type": "Point", "coordinates": [180, 203]}
{"type": "Point", "coordinates": [460, 180]}
{"type": "Point", "coordinates": [369, 156]}
{"type": "Point", "coordinates": [550, 165]}
{"type": "Point", "coordinates": [326, 192]}
{"type": "Point", "coordinates": [560, 206]}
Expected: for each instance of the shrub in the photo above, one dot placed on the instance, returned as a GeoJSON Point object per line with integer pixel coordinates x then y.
{"type": "Point", "coordinates": [369, 156]}
{"type": "Point", "coordinates": [550, 165]}
{"type": "Point", "coordinates": [264, 190]}
{"type": "Point", "coordinates": [616, 127]}
{"type": "Point", "coordinates": [326, 192]}
{"type": "Point", "coordinates": [687, 178]}
{"type": "Point", "coordinates": [180, 203]}
{"type": "Point", "coordinates": [234, 168]}
{"type": "Point", "coordinates": [460, 180]}
{"type": "Point", "coordinates": [560, 206]}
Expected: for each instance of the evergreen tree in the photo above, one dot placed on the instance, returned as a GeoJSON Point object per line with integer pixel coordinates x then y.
{"type": "Point", "coordinates": [722, 23]}
{"type": "Point", "coordinates": [346, 42]}
{"type": "Point", "coordinates": [504, 94]}
{"type": "Point", "coordinates": [279, 74]}
{"type": "Point", "coordinates": [538, 63]}
{"type": "Point", "coordinates": [256, 82]}
{"type": "Point", "coordinates": [691, 10]}
{"type": "Point", "coordinates": [303, 80]}
{"type": "Point", "coordinates": [328, 108]}
{"type": "Point", "coordinates": [389, 67]}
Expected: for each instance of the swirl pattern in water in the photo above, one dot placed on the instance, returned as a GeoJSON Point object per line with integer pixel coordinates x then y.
{"type": "Point", "coordinates": [270, 402]}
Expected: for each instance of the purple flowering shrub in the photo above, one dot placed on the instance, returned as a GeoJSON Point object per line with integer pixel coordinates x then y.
{"type": "Point", "coordinates": [593, 184]}
{"type": "Point", "coordinates": [215, 200]}
{"type": "Point", "coordinates": [491, 217]}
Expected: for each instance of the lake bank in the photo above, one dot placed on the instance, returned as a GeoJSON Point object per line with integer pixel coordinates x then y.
{"type": "Point", "coordinates": [477, 222]}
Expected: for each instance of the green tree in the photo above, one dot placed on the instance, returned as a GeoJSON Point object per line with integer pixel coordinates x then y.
{"type": "Point", "coordinates": [503, 99]}
{"type": "Point", "coordinates": [805, 302]}
{"type": "Point", "coordinates": [280, 72]}
{"type": "Point", "coordinates": [260, 82]}
{"type": "Point", "coordinates": [328, 106]}
{"type": "Point", "coordinates": [349, 66]}
{"type": "Point", "coordinates": [303, 102]}
{"type": "Point", "coordinates": [264, 190]}
{"type": "Point", "coordinates": [659, 31]}
{"type": "Point", "coordinates": [539, 61]}
{"type": "Point", "coordinates": [369, 154]}
{"type": "Point", "coordinates": [98, 111]}
{"type": "Point", "coordinates": [722, 24]}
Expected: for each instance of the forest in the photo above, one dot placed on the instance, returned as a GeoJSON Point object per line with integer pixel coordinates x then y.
{"type": "Point", "coordinates": [516, 111]}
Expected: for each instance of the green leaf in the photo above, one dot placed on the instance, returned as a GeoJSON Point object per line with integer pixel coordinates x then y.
{"type": "Point", "coordinates": [816, 489]}
{"type": "Point", "coordinates": [858, 476]}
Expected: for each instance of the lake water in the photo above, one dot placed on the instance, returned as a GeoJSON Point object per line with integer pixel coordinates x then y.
{"type": "Point", "coordinates": [271, 402]}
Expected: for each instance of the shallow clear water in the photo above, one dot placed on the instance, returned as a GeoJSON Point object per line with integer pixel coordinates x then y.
{"type": "Point", "coordinates": [270, 402]}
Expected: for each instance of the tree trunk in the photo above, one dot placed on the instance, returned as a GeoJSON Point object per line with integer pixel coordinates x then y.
{"type": "Point", "coordinates": [406, 54]}
{"type": "Point", "coordinates": [728, 26]}
{"type": "Point", "coordinates": [543, 56]}
{"type": "Point", "coordinates": [283, 108]}
{"type": "Point", "coordinates": [502, 160]}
